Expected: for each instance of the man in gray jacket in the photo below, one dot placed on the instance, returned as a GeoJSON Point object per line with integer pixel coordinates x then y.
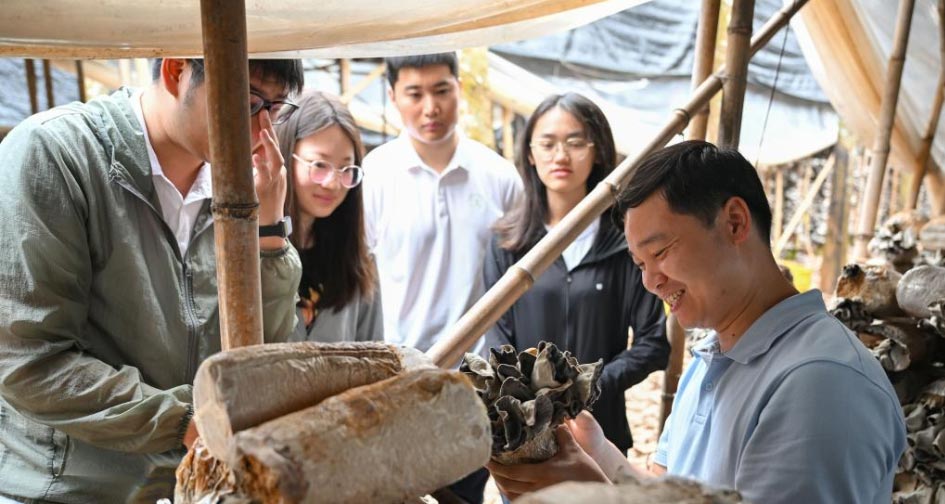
{"type": "Point", "coordinates": [108, 295]}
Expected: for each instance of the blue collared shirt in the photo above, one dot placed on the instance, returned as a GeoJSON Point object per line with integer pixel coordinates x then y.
{"type": "Point", "coordinates": [798, 411]}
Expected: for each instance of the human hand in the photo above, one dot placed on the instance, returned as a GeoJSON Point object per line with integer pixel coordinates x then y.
{"type": "Point", "coordinates": [590, 437]}
{"type": "Point", "coordinates": [270, 179]}
{"type": "Point", "coordinates": [190, 437]}
{"type": "Point", "coordinates": [571, 463]}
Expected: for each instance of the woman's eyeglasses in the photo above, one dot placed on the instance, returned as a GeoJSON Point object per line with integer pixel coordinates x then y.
{"type": "Point", "coordinates": [575, 148]}
{"type": "Point", "coordinates": [279, 110]}
{"type": "Point", "coordinates": [322, 172]}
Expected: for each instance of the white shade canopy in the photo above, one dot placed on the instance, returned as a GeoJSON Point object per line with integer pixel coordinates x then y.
{"type": "Point", "coordinates": [289, 28]}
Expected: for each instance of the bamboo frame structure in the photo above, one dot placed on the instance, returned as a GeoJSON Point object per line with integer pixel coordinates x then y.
{"type": "Point", "coordinates": [508, 135]}
{"type": "Point", "coordinates": [235, 206]}
{"type": "Point", "coordinates": [344, 75]}
{"type": "Point", "coordinates": [520, 277]}
{"type": "Point", "coordinates": [362, 84]}
{"type": "Point", "coordinates": [925, 147]}
{"type": "Point", "coordinates": [48, 83]}
{"type": "Point", "coordinates": [677, 343]}
{"type": "Point", "coordinates": [804, 206]}
{"type": "Point", "coordinates": [887, 116]}
{"type": "Point", "coordinates": [736, 80]}
{"type": "Point", "coordinates": [80, 80]}
{"type": "Point", "coordinates": [706, 35]}
{"type": "Point", "coordinates": [30, 68]}
{"type": "Point", "coordinates": [834, 251]}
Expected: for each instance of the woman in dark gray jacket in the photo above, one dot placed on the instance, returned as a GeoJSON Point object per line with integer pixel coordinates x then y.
{"type": "Point", "coordinates": [593, 293]}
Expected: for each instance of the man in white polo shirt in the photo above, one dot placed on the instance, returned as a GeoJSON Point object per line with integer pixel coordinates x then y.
{"type": "Point", "coordinates": [431, 196]}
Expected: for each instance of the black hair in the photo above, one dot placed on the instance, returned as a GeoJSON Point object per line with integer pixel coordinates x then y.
{"type": "Point", "coordinates": [286, 71]}
{"type": "Point", "coordinates": [697, 178]}
{"type": "Point", "coordinates": [524, 225]}
{"type": "Point", "coordinates": [394, 64]}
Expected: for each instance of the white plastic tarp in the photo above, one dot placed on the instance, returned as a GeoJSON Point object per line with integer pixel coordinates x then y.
{"type": "Point", "coordinates": [292, 28]}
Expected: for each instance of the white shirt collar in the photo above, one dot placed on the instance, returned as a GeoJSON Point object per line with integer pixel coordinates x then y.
{"type": "Point", "coordinates": [202, 187]}
{"type": "Point", "coordinates": [460, 159]}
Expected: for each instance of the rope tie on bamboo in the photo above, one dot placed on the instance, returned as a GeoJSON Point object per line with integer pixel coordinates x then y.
{"type": "Point", "coordinates": [684, 114]}
{"type": "Point", "coordinates": [238, 211]}
{"type": "Point", "coordinates": [614, 190]}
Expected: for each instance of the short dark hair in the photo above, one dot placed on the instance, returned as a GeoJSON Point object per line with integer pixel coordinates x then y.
{"type": "Point", "coordinates": [394, 64]}
{"type": "Point", "coordinates": [287, 71]}
{"type": "Point", "coordinates": [697, 178]}
{"type": "Point", "coordinates": [522, 227]}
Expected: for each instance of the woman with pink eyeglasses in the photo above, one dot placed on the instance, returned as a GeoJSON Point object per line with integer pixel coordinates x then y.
{"type": "Point", "coordinates": [339, 296]}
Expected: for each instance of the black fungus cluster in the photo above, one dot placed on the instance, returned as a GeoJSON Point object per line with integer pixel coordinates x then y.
{"type": "Point", "coordinates": [528, 392]}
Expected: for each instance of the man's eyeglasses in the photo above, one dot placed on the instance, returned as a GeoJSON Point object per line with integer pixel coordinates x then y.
{"type": "Point", "coordinates": [322, 172]}
{"type": "Point", "coordinates": [279, 110]}
{"type": "Point", "coordinates": [575, 148]}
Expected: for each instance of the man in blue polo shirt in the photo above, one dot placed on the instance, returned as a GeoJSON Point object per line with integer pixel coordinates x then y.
{"type": "Point", "coordinates": [781, 402]}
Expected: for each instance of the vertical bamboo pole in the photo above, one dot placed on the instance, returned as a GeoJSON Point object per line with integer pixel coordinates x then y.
{"type": "Point", "coordinates": [777, 220]}
{"type": "Point", "coordinates": [835, 245]}
{"type": "Point", "coordinates": [704, 61]}
{"type": "Point", "coordinates": [508, 137]}
{"type": "Point", "coordinates": [80, 79]}
{"type": "Point", "coordinates": [344, 75]}
{"type": "Point", "coordinates": [30, 68]}
{"type": "Point", "coordinates": [234, 197]}
{"type": "Point", "coordinates": [925, 148]}
{"type": "Point", "coordinates": [736, 64]}
{"type": "Point", "coordinates": [518, 278]}
{"type": "Point", "coordinates": [887, 117]}
{"type": "Point", "coordinates": [48, 83]}
{"type": "Point", "coordinates": [677, 335]}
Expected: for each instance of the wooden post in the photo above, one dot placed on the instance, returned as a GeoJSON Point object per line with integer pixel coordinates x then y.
{"type": "Point", "coordinates": [704, 61]}
{"type": "Point", "coordinates": [925, 148]}
{"type": "Point", "coordinates": [449, 350]}
{"type": "Point", "coordinates": [736, 63]}
{"type": "Point", "coordinates": [777, 219]}
{"type": "Point", "coordinates": [48, 82]}
{"type": "Point", "coordinates": [80, 79]}
{"type": "Point", "coordinates": [887, 117]}
{"type": "Point", "coordinates": [235, 208]}
{"type": "Point", "coordinates": [508, 137]}
{"type": "Point", "coordinates": [344, 75]}
{"type": "Point", "coordinates": [677, 345]}
{"type": "Point", "coordinates": [834, 252]}
{"type": "Point", "coordinates": [30, 68]}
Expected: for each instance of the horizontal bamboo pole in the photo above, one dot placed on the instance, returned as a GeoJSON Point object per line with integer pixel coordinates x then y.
{"type": "Point", "coordinates": [449, 350]}
{"type": "Point", "coordinates": [234, 196]}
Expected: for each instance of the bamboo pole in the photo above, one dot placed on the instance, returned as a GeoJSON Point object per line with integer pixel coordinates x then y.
{"type": "Point", "coordinates": [48, 83]}
{"type": "Point", "coordinates": [925, 148]}
{"type": "Point", "coordinates": [234, 196]}
{"type": "Point", "coordinates": [677, 345]}
{"type": "Point", "coordinates": [736, 61]}
{"type": "Point", "coordinates": [363, 83]}
{"type": "Point", "coordinates": [804, 206]}
{"type": "Point", "coordinates": [80, 79]}
{"type": "Point", "coordinates": [705, 60]}
{"type": "Point", "coordinates": [508, 137]}
{"type": "Point", "coordinates": [887, 117]}
{"type": "Point", "coordinates": [344, 75]}
{"type": "Point", "coordinates": [30, 67]}
{"type": "Point", "coordinates": [521, 275]}
{"type": "Point", "coordinates": [777, 220]}
{"type": "Point", "coordinates": [834, 251]}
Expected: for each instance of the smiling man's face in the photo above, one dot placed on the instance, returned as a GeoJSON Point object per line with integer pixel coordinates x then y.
{"type": "Point", "coordinates": [684, 262]}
